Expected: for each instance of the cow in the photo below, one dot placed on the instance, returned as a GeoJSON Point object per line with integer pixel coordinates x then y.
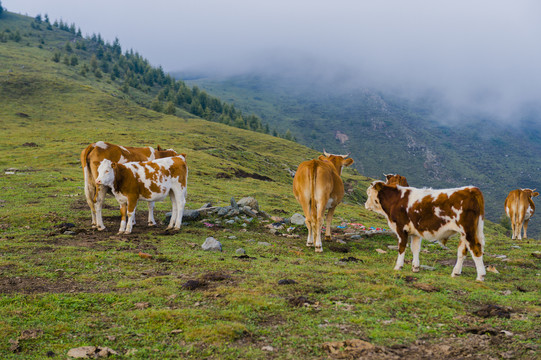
{"type": "Point", "coordinates": [317, 186]}
{"type": "Point", "coordinates": [91, 158]}
{"type": "Point", "coordinates": [395, 179]}
{"type": "Point", "coordinates": [149, 181]}
{"type": "Point", "coordinates": [519, 207]}
{"type": "Point", "coordinates": [434, 215]}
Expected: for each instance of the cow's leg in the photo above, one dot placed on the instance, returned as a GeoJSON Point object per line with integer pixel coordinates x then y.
{"type": "Point", "coordinates": [151, 221]}
{"type": "Point", "coordinates": [320, 213]}
{"type": "Point", "coordinates": [526, 228]}
{"type": "Point", "coordinates": [180, 199]}
{"type": "Point", "coordinates": [130, 212]}
{"type": "Point", "coordinates": [90, 192]}
{"type": "Point", "coordinates": [174, 210]}
{"type": "Point", "coordinates": [100, 196]}
{"type": "Point", "coordinates": [520, 221]}
{"type": "Point", "coordinates": [310, 239]}
{"type": "Point", "coordinates": [123, 209]}
{"type": "Point", "coordinates": [402, 243]}
{"type": "Point", "coordinates": [328, 223]}
{"type": "Point", "coordinates": [305, 203]}
{"type": "Point", "coordinates": [513, 226]}
{"type": "Point", "coordinates": [415, 249]}
{"type": "Point", "coordinates": [476, 249]}
{"type": "Point", "coordinates": [460, 254]}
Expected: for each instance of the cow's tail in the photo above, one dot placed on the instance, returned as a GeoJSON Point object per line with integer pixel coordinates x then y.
{"type": "Point", "coordinates": [313, 175]}
{"type": "Point", "coordinates": [84, 155]}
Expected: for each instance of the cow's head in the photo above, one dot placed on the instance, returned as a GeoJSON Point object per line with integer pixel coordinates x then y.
{"type": "Point", "coordinates": [106, 173]}
{"type": "Point", "coordinates": [372, 202]}
{"type": "Point", "coordinates": [395, 179]}
{"type": "Point", "coordinates": [531, 193]}
{"type": "Point", "coordinates": [163, 153]}
{"type": "Point", "coordinates": [338, 161]}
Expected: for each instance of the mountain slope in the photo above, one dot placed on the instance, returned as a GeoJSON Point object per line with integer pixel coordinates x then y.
{"type": "Point", "coordinates": [388, 134]}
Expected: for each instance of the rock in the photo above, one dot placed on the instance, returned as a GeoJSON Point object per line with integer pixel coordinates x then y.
{"type": "Point", "coordinates": [230, 222]}
{"type": "Point", "coordinates": [248, 211]}
{"type": "Point", "coordinates": [249, 202]}
{"type": "Point", "coordinates": [263, 243]}
{"type": "Point", "coordinates": [211, 244]}
{"type": "Point", "coordinates": [94, 352]}
{"type": "Point", "coordinates": [355, 237]}
{"type": "Point", "coordinates": [234, 205]}
{"type": "Point", "coordinates": [426, 267]}
{"type": "Point", "coordinates": [240, 251]}
{"type": "Point", "coordinates": [340, 241]}
{"type": "Point", "coordinates": [190, 215]}
{"type": "Point", "coordinates": [224, 210]}
{"type": "Point", "coordinates": [297, 219]}
{"type": "Point", "coordinates": [267, 348]}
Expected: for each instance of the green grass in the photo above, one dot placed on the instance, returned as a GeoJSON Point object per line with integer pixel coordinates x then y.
{"type": "Point", "coordinates": [92, 288]}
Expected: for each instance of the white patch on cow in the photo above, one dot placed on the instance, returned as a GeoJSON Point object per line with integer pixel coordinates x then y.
{"type": "Point", "coordinates": [122, 160]}
{"type": "Point", "coordinates": [529, 213]}
{"type": "Point", "coordinates": [123, 148]}
{"type": "Point", "coordinates": [329, 203]}
{"type": "Point", "coordinates": [152, 153]}
{"type": "Point", "coordinates": [101, 145]}
{"type": "Point", "coordinates": [150, 169]}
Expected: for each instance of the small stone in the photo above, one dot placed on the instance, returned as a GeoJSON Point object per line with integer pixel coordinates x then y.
{"type": "Point", "coordinates": [340, 241]}
{"type": "Point", "coordinates": [355, 237]}
{"type": "Point", "coordinates": [211, 244]}
{"type": "Point", "coordinates": [267, 348]}
{"type": "Point", "coordinates": [240, 251]}
{"type": "Point", "coordinates": [297, 219]}
{"type": "Point", "coordinates": [234, 204]}
{"type": "Point", "coordinates": [263, 243]}
{"type": "Point", "coordinates": [230, 222]}
{"type": "Point", "coordinates": [190, 215]}
{"type": "Point", "coordinates": [426, 267]}
{"type": "Point", "coordinates": [232, 237]}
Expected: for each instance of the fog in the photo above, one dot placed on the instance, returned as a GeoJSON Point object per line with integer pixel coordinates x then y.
{"type": "Point", "coordinates": [481, 56]}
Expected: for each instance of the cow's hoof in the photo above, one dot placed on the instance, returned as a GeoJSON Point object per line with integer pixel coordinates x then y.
{"type": "Point", "coordinates": [319, 249]}
{"type": "Point", "coordinates": [480, 278]}
{"type": "Point", "coordinates": [151, 224]}
{"type": "Point", "coordinates": [328, 237]}
{"type": "Point", "coordinates": [101, 229]}
{"type": "Point", "coordinates": [397, 268]}
{"type": "Point", "coordinates": [455, 275]}
{"type": "Point", "coordinates": [309, 244]}
{"type": "Point", "coordinates": [415, 269]}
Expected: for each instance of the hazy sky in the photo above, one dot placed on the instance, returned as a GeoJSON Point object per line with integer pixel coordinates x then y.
{"type": "Point", "coordinates": [484, 54]}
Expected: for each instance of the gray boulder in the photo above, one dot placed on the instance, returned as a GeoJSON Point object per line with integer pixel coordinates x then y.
{"type": "Point", "coordinates": [190, 215]}
{"type": "Point", "coordinates": [249, 202]}
{"type": "Point", "coordinates": [297, 219]}
{"type": "Point", "coordinates": [211, 244]}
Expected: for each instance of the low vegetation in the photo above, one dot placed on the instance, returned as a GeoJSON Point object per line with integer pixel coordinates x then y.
{"type": "Point", "coordinates": [157, 295]}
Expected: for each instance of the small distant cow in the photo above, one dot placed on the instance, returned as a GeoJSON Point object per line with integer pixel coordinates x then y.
{"type": "Point", "coordinates": [91, 158]}
{"type": "Point", "coordinates": [317, 186]}
{"type": "Point", "coordinates": [149, 181]}
{"type": "Point", "coordinates": [395, 179]}
{"type": "Point", "coordinates": [433, 215]}
{"type": "Point", "coordinates": [520, 208]}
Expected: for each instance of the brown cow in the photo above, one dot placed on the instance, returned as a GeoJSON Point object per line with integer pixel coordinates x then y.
{"type": "Point", "coordinates": [317, 186]}
{"type": "Point", "coordinates": [91, 158]}
{"type": "Point", "coordinates": [395, 179]}
{"type": "Point", "coordinates": [433, 215]}
{"type": "Point", "coordinates": [519, 207]}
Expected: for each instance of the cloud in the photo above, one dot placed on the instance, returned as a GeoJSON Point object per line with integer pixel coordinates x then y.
{"type": "Point", "coordinates": [481, 55]}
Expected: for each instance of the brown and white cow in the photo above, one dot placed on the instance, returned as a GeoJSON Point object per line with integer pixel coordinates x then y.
{"type": "Point", "coordinates": [395, 179]}
{"type": "Point", "coordinates": [149, 181]}
{"type": "Point", "coordinates": [520, 208]}
{"type": "Point", "coordinates": [434, 215]}
{"type": "Point", "coordinates": [317, 186]}
{"type": "Point", "coordinates": [91, 158]}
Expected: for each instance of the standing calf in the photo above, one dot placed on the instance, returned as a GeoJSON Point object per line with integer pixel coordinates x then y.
{"type": "Point", "coordinates": [148, 181]}
{"type": "Point", "coordinates": [317, 186]}
{"type": "Point", "coordinates": [434, 215]}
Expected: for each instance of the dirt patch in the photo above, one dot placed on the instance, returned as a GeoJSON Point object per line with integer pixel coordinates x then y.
{"type": "Point", "coordinates": [300, 301]}
{"type": "Point", "coordinates": [30, 144]}
{"type": "Point", "coordinates": [215, 276]}
{"type": "Point", "coordinates": [338, 248]}
{"type": "Point", "coordinates": [473, 346]}
{"type": "Point", "coordinates": [492, 310]}
{"type": "Point", "coordinates": [33, 285]}
{"type": "Point", "coordinates": [239, 173]}
{"type": "Point", "coordinates": [194, 284]}
{"type": "Point", "coordinates": [350, 259]}
{"type": "Point", "coordinates": [452, 262]}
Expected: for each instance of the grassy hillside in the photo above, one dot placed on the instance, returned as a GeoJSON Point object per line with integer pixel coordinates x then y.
{"type": "Point", "coordinates": [64, 285]}
{"type": "Point", "coordinates": [387, 134]}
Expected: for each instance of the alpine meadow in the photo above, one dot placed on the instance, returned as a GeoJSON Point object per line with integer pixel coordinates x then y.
{"type": "Point", "coordinates": [67, 289]}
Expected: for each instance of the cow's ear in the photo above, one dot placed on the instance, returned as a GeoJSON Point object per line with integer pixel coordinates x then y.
{"type": "Point", "coordinates": [159, 148]}
{"type": "Point", "coordinates": [322, 157]}
{"type": "Point", "coordinates": [535, 194]}
{"type": "Point", "coordinates": [184, 155]}
{"type": "Point", "coordinates": [378, 185]}
{"type": "Point", "coordinates": [348, 162]}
